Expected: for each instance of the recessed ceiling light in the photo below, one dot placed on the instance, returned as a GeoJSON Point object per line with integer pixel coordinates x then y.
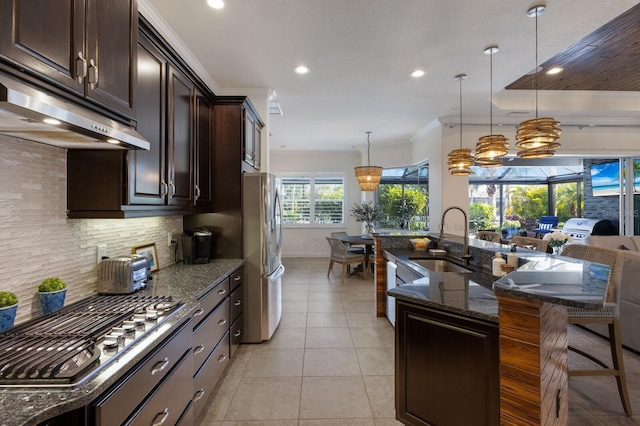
{"type": "Point", "coordinates": [52, 121]}
{"type": "Point", "coordinates": [417, 73]}
{"type": "Point", "coordinates": [113, 141]}
{"type": "Point", "coordinates": [216, 4]}
{"type": "Point", "coordinates": [555, 70]}
{"type": "Point", "coordinates": [301, 69]}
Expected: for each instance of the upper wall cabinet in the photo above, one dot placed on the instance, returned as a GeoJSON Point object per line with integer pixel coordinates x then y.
{"type": "Point", "coordinates": [86, 47]}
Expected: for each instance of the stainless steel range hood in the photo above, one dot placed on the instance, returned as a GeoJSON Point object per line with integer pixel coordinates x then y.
{"type": "Point", "coordinates": [23, 110]}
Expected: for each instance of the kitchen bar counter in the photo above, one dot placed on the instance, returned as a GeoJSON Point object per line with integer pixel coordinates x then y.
{"type": "Point", "coordinates": [530, 308]}
{"type": "Point", "coordinates": [21, 405]}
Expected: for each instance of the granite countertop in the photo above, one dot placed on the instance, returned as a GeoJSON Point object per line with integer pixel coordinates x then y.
{"type": "Point", "coordinates": [540, 276]}
{"type": "Point", "coordinates": [22, 405]}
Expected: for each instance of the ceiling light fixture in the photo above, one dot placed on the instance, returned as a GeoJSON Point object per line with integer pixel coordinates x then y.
{"type": "Point", "coordinates": [460, 160]}
{"type": "Point", "coordinates": [554, 70]}
{"type": "Point", "coordinates": [537, 137]}
{"type": "Point", "coordinates": [301, 69]}
{"type": "Point", "coordinates": [368, 176]}
{"type": "Point", "coordinates": [491, 148]}
{"type": "Point", "coordinates": [417, 73]}
{"type": "Point", "coordinates": [216, 4]}
{"type": "Point", "coordinates": [51, 121]}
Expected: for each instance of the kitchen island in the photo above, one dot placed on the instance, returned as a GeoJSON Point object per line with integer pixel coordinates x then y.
{"type": "Point", "coordinates": [21, 405]}
{"type": "Point", "coordinates": [469, 351]}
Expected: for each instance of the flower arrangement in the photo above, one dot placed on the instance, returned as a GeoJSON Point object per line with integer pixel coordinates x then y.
{"type": "Point", "coordinates": [557, 239]}
{"type": "Point", "coordinates": [366, 212]}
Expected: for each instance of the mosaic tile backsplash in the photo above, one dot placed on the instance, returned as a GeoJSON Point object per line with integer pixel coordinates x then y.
{"type": "Point", "coordinates": [37, 239]}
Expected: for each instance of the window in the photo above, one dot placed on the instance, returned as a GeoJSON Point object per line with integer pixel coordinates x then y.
{"type": "Point", "coordinates": [313, 200]}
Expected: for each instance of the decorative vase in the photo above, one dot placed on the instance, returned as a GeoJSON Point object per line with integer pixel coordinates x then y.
{"type": "Point", "coordinates": [368, 230]}
{"type": "Point", "coordinates": [8, 316]}
{"type": "Point", "coordinates": [52, 300]}
{"type": "Point", "coordinates": [557, 250]}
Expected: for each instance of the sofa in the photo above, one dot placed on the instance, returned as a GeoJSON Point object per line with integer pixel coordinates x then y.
{"type": "Point", "coordinates": [629, 288]}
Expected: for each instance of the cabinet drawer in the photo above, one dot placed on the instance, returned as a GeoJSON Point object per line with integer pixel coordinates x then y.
{"type": "Point", "coordinates": [236, 302]}
{"type": "Point", "coordinates": [210, 300]}
{"type": "Point", "coordinates": [209, 332]}
{"type": "Point", "coordinates": [120, 401]}
{"type": "Point", "coordinates": [235, 336]}
{"type": "Point", "coordinates": [237, 278]}
{"type": "Point", "coordinates": [169, 401]}
{"type": "Point", "coordinates": [187, 417]}
{"type": "Point", "coordinates": [207, 377]}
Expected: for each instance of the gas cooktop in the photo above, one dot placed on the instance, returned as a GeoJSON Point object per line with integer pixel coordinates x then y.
{"type": "Point", "coordinates": [67, 347]}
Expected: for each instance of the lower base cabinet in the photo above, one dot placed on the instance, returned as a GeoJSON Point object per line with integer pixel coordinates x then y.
{"type": "Point", "coordinates": [207, 377]}
{"type": "Point", "coordinates": [447, 370]}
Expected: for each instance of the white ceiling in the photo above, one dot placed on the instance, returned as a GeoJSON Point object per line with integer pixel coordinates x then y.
{"type": "Point", "coordinates": [360, 53]}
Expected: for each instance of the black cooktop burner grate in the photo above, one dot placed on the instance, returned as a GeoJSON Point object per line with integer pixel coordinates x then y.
{"type": "Point", "coordinates": [63, 346]}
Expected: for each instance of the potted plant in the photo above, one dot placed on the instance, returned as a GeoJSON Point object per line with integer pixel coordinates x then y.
{"type": "Point", "coordinates": [367, 213]}
{"type": "Point", "coordinates": [52, 292]}
{"type": "Point", "coordinates": [511, 226]}
{"type": "Point", "coordinates": [8, 309]}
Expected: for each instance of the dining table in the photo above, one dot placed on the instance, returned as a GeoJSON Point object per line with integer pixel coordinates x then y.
{"type": "Point", "coordinates": [367, 242]}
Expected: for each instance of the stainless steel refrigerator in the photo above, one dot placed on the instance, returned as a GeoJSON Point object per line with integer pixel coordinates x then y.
{"type": "Point", "coordinates": [262, 242]}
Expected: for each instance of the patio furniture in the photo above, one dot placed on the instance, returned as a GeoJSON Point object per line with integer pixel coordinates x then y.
{"type": "Point", "coordinates": [546, 224]}
{"type": "Point", "coordinates": [608, 314]}
{"type": "Point", "coordinates": [489, 236]}
{"type": "Point", "coordinates": [530, 243]}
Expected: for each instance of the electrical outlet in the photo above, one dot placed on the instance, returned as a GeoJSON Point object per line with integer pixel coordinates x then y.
{"type": "Point", "coordinates": [169, 239]}
{"type": "Point", "coordinates": [101, 252]}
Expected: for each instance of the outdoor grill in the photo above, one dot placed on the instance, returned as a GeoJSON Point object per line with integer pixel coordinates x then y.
{"type": "Point", "coordinates": [580, 228]}
{"type": "Point", "coordinates": [70, 345]}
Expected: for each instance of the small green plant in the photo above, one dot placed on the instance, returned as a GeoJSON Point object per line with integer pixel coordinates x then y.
{"type": "Point", "coordinates": [7, 299]}
{"type": "Point", "coordinates": [511, 224]}
{"type": "Point", "coordinates": [51, 284]}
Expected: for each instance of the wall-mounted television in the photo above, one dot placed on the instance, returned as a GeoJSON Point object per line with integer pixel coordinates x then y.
{"type": "Point", "coordinates": [605, 179]}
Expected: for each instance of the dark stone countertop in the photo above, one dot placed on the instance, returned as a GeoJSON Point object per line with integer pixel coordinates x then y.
{"type": "Point", "coordinates": [21, 405]}
{"type": "Point", "coordinates": [540, 276]}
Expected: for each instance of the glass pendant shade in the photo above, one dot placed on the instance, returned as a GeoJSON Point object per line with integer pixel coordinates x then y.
{"type": "Point", "coordinates": [368, 176]}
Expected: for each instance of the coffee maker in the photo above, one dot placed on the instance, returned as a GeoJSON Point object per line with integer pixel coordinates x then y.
{"type": "Point", "coordinates": [196, 246]}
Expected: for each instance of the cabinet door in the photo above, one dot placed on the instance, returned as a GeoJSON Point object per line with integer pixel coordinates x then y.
{"type": "Point", "coordinates": [203, 160]}
{"type": "Point", "coordinates": [112, 35]}
{"type": "Point", "coordinates": [249, 141]}
{"type": "Point", "coordinates": [257, 142]}
{"type": "Point", "coordinates": [179, 143]}
{"type": "Point", "coordinates": [147, 181]}
{"type": "Point", "coordinates": [44, 36]}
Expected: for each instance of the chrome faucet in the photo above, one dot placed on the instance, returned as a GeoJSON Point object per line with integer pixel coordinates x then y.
{"type": "Point", "coordinates": [465, 250]}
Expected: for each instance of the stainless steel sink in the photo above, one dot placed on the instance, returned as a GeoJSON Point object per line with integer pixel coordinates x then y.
{"type": "Point", "coordinates": [440, 265]}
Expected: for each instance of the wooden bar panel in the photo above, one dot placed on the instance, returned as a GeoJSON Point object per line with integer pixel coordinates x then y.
{"type": "Point", "coordinates": [533, 363]}
{"type": "Point", "coordinates": [380, 279]}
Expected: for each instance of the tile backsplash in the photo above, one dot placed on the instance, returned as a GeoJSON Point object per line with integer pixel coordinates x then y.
{"type": "Point", "coordinates": [38, 241]}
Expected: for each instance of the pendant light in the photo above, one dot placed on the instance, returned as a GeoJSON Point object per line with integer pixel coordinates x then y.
{"type": "Point", "coordinates": [368, 176]}
{"type": "Point", "coordinates": [537, 138]}
{"type": "Point", "coordinates": [460, 160]}
{"type": "Point", "coordinates": [491, 148]}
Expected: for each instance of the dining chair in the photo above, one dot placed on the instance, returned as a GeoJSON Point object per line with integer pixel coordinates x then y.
{"type": "Point", "coordinates": [340, 254]}
{"type": "Point", "coordinates": [350, 248]}
{"type": "Point", "coordinates": [492, 236]}
{"type": "Point", "coordinates": [608, 315]}
{"type": "Point", "coordinates": [527, 242]}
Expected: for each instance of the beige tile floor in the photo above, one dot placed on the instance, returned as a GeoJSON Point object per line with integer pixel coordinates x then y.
{"type": "Point", "coordinates": [330, 362]}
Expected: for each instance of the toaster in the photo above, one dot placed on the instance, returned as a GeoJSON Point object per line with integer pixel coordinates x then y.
{"type": "Point", "coordinates": [123, 274]}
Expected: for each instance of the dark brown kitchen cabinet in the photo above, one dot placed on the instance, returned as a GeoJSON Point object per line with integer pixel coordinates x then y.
{"type": "Point", "coordinates": [252, 140]}
{"type": "Point", "coordinates": [174, 176]}
{"type": "Point", "coordinates": [446, 368]}
{"type": "Point", "coordinates": [180, 95]}
{"type": "Point", "coordinates": [203, 145]}
{"type": "Point", "coordinates": [85, 47]}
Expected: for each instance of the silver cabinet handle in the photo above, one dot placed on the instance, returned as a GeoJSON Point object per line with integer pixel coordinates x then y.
{"type": "Point", "coordinates": [163, 418]}
{"type": "Point", "coordinates": [222, 322]}
{"type": "Point", "coordinates": [222, 358]}
{"type": "Point", "coordinates": [81, 67]}
{"type": "Point", "coordinates": [197, 194]}
{"type": "Point", "coordinates": [237, 278]}
{"type": "Point", "coordinates": [160, 365]}
{"type": "Point", "coordinates": [222, 291]}
{"type": "Point", "coordinates": [198, 395]}
{"type": "Point", "coordinates": [237, 333]}
{"type": "Point", "coordinates": [93, 74]}
{"type": "Point", "coordinates": [165, 189]}
{"type": "Point", "coordinates": [172, 189]}
{"type": "Point", "coordinates": [198, 349]}
{"type": "Point", "coordinates": [199, 312]}
{"type": "Point", "coordinates": [237, 302]}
